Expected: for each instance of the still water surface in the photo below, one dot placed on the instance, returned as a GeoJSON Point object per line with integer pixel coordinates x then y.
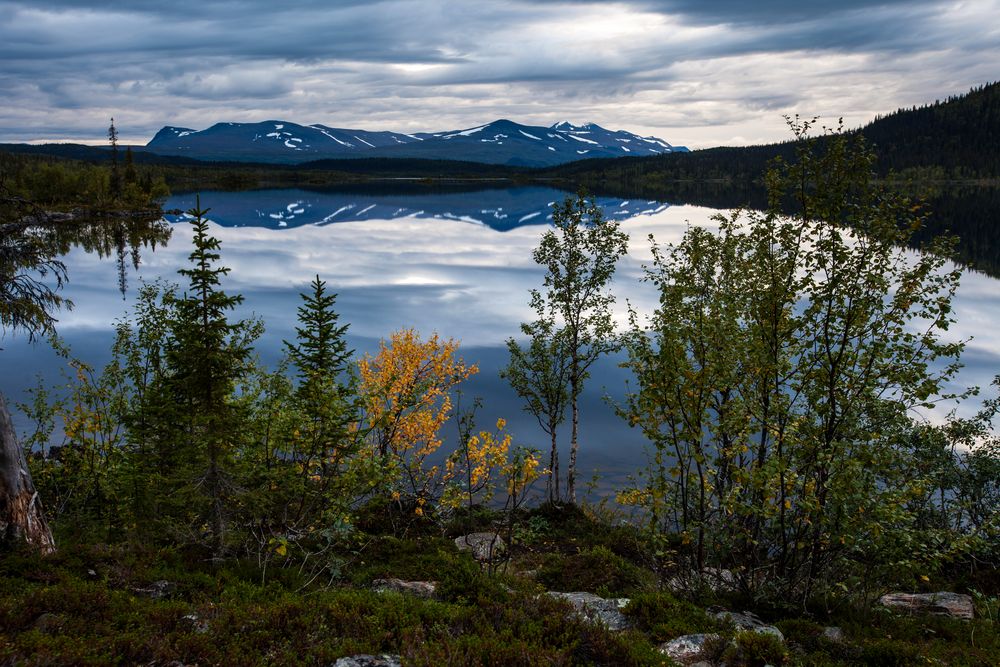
{"type": "Point", "coordinates": [452, 260]}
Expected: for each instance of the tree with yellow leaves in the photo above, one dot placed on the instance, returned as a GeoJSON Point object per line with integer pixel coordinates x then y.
{"type": "Point", "coordinates": [405, 392]}
{"type": "Point", "coordinates": [471, 470]}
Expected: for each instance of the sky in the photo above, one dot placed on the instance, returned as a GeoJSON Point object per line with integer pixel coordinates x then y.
{"type": "Point", "coordinates": [693, 72]}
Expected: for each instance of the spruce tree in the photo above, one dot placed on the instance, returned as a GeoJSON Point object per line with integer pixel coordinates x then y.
{"type": "Point", "coordinates": [207, 355]}
{"type": "Point", "coordinates": [323, 395]}
{"type": "Point", "coordinates": [116, 178]}
{"type": "Point", "coordinates": [321, 349]}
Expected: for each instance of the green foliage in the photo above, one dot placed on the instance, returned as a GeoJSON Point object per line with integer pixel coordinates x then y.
{"type": "Point", "coordinates": [84, 477]}
{"type": "Point", "coordinates": [205, 356]}
{"type": "Point", "coordinates": [64, 184]}
{"type": "Point", "coordinates": [539, 372]}
{"type": "Point", "coordinates": [302, 468]}
{"type": "Point", "coordinates": [775, 378]}
{"type": "Point", "coordinates": [663, 617]}
{"type": "Point", "coordinates": [755, 649]}
{"type": "Point", "coordinates": [29, 266]}
{"type": "Point", "coordinates": [574, 326]}
{"type": "Point", "coordinates": [595, 569]}
{"type": "Point", "coordinates": [54, 612]}
{"type": "Point", "coordinates": [892, 653]}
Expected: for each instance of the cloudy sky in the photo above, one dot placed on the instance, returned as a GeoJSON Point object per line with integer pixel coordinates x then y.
{"type": "Point", "coordinates": [694, 72]}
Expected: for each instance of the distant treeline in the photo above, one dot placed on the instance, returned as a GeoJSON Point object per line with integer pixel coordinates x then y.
{"type": "Point", "coordinates": [116, 182]}
{"type": "Point", "coordinates": [957, 139]}
{"type": "Point", "coordinates": [182, 173]}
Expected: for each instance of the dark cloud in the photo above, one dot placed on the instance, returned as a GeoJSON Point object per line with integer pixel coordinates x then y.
{"type": "Point", "coordinates": [412, 65]}
{"type": "Point", "coordinates": [768, 12]}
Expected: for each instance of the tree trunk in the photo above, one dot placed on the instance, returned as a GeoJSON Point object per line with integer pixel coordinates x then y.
{"type": "Point", "coordinates": [571, 473]}
{"type": "Point", "coordinates": [21, 516]}
{"type": "Point", "coordinates": [554, 468]}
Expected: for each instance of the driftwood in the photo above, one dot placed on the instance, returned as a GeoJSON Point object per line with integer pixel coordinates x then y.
{"type": "Point", "coordinates": [21, 515]}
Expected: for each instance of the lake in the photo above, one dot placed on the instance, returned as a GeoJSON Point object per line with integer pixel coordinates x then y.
{"type": "Point", "coordinates": [451, 259]}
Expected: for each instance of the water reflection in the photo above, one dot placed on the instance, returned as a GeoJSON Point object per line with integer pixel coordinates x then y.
{"type": "Point", "coordinates": [446, 262]}
{"type": "Point", "coordinates": [500, 208]}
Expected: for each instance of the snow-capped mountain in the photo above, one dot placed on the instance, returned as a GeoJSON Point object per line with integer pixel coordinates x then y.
{"type": "Point", "coordinates": [270, 141]}
{"type": "Point", "coordinates": [499, 142]}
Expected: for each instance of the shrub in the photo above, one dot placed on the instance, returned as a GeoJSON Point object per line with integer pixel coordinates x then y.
{"type": "Point", "coordinates": [597, 570]}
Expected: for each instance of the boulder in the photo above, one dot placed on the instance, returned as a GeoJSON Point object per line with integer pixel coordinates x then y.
{"type": "Point", "coordinates": [420, 589]}
{"type": "Point", "coordinates": [596, 609]}
{"type": "Point", "coordinates": [944, 603]}
{"type": "Point", "coordinates": [833, 634]}
{"type": "Point", "coordinates": [749, 622]}
{"type": "Point", "coordinates": [688, 648]}
{"type": "Point", "coordinates": [48, 624]}
{"type": "Point", "coordinates": [485, 547]}
{"type": "Point", "coordinates": [384, 660]}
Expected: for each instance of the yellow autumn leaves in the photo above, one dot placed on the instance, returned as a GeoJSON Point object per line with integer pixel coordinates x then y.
{"type": "Point", "coordinates": [405, 391]}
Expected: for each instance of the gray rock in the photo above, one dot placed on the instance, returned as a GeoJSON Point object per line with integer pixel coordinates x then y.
{"type": "Point", "coordinates": [157, 590]}
{"type": "Point", "coordinates": [833, 634]}
{"type": "Point", "coordinates": [48, 623]}
{"type": "Point", "coordinates": [485, 547]}
{"type": "Point", "coordinates": [420, 589]}
{"type": "Point", "coordinates": [596, 609]}
{"type": "Point", "coordinates": [747, 621]}
{"type": "Point", "coordinates": [384, 660]}
{"type": "Point", "coordinates": [687, 648]}
{"type": "Point", "coordinates": [944, 603]}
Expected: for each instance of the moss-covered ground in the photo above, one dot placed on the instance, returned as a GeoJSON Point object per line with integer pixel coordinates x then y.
{"type": "Point", "coordinates": [89, 605]}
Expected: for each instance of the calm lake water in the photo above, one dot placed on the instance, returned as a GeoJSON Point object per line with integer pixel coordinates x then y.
{"type": "Point", "coordinates": [449, 259]}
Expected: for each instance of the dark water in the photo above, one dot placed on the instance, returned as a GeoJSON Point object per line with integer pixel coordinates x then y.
{"type": "Point", "coordinates": [453, 260]}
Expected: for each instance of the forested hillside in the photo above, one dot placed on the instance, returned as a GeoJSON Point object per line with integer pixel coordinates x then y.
{"type": "Point", "coordinates": [956, 139]}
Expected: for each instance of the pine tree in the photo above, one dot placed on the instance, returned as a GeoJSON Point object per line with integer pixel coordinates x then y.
{"type": "Point", "coordinates": [321, 349]}
{"type": "Point", "coordinates": [116, 177]}
{"type": "Point", "coordinates": [323, 396]}
{"type": "Point", "coordinates": [207, 355]}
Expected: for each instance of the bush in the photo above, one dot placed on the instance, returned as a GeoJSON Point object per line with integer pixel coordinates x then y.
{"type": "Point", "coordinates": [665, 617]}
{"type": "Point", "coordinates": [596, 570]}
{"type": "Point", "coordinates": [756, 649]}
{"type": "Point", "coordinates": [891, 653]}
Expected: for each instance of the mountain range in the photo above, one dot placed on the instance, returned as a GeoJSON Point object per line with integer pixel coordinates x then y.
{"type": "Point", "coordinates": [500, 142]}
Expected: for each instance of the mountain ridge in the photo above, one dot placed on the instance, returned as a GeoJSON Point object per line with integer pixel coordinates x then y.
{"type": "Point", "coordinates": [502, 141]}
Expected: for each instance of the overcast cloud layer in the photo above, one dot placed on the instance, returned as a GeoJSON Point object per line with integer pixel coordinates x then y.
{"type": "Point", "coordinates": [698, 73]}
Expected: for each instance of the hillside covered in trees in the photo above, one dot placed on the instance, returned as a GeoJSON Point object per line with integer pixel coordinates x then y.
{"type": "Point", "coordinates": [954, 139]}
